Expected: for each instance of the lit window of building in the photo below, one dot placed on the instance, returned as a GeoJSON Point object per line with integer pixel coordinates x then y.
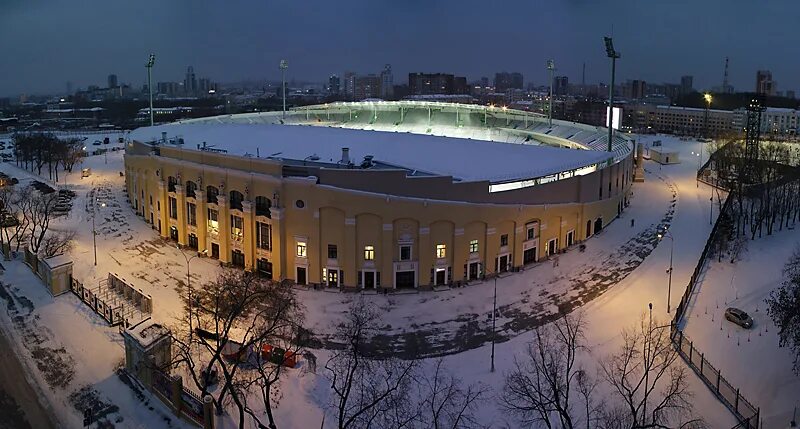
{"type": "Point", "coordinates": [301, 249]}
{"type": "Point", "coordinates": [473, 246]}
{"type": "Point", "coordinates": [441, 251]}
{"type": "Point", "coordinates": [213, 222]}
{"type": "Point", "coordinates": [369, 253]}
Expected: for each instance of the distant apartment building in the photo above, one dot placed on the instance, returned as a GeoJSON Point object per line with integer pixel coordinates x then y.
{"type": "Point", "coordinates": [678, 120]}
{"type": "Point", "coordinates": [387, 83]}
{"type": "Point", "coordinates": [561, 85]}
{"type": "Point", "coordinates": [333, 85]}
{"type": "Point", "coordinates": [169, 89]}
{"type": "Point", "coordinates": [504, 81]}
{"type": "Point", "coordinates": [687, 84]}
{"type": "Point", "coordinates": [190, 81]}
{"type": "Point", "coordinates": [764, 83]}
{"type": "Point", "coordinates": [112, 81]}
{"type": "Point", "coordinates": [368, 86]}
{"type": "Point", "coordinates": [634, 89]}
{"type": "Point", "coordinates": [436, 83]}
{"type": "Point", "coordinates": [775, 122]}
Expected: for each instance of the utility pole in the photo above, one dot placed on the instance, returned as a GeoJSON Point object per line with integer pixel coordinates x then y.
{"type": "Point", "coordinates": [283, 66]}
{"type": "Point", "coordinates": [551, 66]}
{"type": "Point", "coordinates": [150, 62]}
{"type": "Point", "coordinates": [614, 55]}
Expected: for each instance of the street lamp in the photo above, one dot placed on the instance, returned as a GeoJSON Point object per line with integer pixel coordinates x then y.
{"type": "Point", "coordinates": [614, 55]}
{"type": "Point", "coordinates": [707, 97]}
{"type": "Point", "coordinates": [94, 231]}
{"type": "Point", "coordinates": [671, 248]}
{"type": "Point", "coordinates": [551, 66]}
{"type": "Point", "coordinates": [150, 62]}
{"type": "Point", "coordinates": [283, 66]}
{"type": "Point", "coordinates": [189, 284]}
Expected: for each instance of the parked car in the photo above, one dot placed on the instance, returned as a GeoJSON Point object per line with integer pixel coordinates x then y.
{"type": "Point", "coordinates": [96, 143]}
{"type": "Point", "coordinates": [739, 317]}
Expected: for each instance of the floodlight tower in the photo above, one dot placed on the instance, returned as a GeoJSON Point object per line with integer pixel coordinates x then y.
{"type": "Point", "coordinates": [614, 55]}
{"type": "Point", "coordinates": [283, 66]}
{"type": "Point", "coordinates": [150, 62]}
{"type": "Point", "coordinates": [551, 65]}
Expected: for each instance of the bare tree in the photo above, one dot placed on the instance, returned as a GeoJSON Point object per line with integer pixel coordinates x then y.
{"type": "Point", "coordinates": [783, 307]}
{"type": "Point", "coordinates": [234, 315]}
{"type": "Point", "coordinates": [644, 376]}
{"type": "Point", "coordinates": [56, 243]}
{"type": "Point", "coordinates": [13, 199]}
{"type": "Point", "coordinates": [446, 402]}
{"type": "Point", "coordinates": [368, 392]}
{"type": "Point", "coordinates": [538, 389]}
{"type": "Point", "coordinates": [38, 210]}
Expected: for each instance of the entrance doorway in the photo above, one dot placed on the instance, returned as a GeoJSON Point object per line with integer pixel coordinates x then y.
{"type": "Point", "coordinates": [300, 278]}
{"type": "Point", "coordinates": [588, 228]}
{"type": "Point", "coordinates": [502, 263]}
{"type": "Point", "coordinates": [193, 241]}
{"type": "Point", "coordinates": [237, 258]}
{"type": "Point", "coordinates": [529, 255]}
{"type": "Point", "coordinates": [404, 279]}
{"type": "Point", "coordinates": [473, 271]}
{"type": "Point", "coordinates": [369, 279]}
{"type": "Point", "coordinates": [333, 277]}
{"type": "Point", "coordinates": [173, 233]}
{"type": "Point", "coordinates": [570, 238]}
{"type": "Point", "coordinates": [440, 276]}
{"type": "Point", "coordinates": [215, 250]}
{"type": "Point", "coordinates": [598, 225]}
{"type": "Point", "coordinates": [552, 246]}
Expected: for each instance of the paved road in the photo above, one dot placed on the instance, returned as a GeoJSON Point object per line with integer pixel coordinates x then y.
{"type": "Point", "coordinates": [19, 405]}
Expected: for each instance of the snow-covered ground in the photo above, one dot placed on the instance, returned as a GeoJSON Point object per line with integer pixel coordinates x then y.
{"type": "Point", "coordinates": [622, 270]}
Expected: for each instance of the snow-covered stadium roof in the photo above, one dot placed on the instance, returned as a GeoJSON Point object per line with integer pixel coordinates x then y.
{"type": "Point", "coordinates": [507, 145]}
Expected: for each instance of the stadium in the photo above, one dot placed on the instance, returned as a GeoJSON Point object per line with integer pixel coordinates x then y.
{"type": "Point", "coordinates": [378, 195]}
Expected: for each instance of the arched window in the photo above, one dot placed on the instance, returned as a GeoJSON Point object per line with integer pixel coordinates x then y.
{"type": "Point", "coordinates": [171, 182]}
{"type": "Point", "coordinates": [236, 199]}
{"type": "Point", "coordinates": [262, 206]}
{"type": "Point", "coordinates": [191, 189]}
{"type": "Point", "coordinates": [211, 194]}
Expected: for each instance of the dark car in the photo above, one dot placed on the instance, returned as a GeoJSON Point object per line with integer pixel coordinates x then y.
{"type": "Point", "coordinates": [739, 317]}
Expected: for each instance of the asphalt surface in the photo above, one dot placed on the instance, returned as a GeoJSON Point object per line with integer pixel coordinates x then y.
{"type": "Point", "coordinates": [19, 404]}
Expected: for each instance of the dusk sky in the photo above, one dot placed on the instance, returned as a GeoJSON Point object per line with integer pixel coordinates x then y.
{"type": "Point", "coordinates": [49, 42]}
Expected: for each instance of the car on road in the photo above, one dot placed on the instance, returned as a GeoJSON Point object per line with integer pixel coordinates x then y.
{"type": "Point", "coordinates": [739, 317]}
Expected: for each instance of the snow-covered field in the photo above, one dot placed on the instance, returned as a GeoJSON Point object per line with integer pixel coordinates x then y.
{"type": "Point", "coordinates": [622, 270]}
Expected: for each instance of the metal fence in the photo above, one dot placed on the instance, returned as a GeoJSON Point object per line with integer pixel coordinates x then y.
{"type": "Point", "coordinates": [746, 413]}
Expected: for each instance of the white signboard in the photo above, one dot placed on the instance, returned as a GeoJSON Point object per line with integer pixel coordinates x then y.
{"type": "Point", "coordinates": [617, 117]}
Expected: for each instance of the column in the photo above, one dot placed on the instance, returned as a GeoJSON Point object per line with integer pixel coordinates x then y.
{"type": "Point", "coordinates": [180, 198]}
{"type": "Point", "coordinates": [387, 249]}
{"type": "Point", "coordinates": [162, 210]}
{"type": "Point", "coordinates": [425, 256]}
{"type": "Point", "coordinates": [249, 235]}
{"type": "Point", "coordinates": [279, 251]}
{"type": "Point", "coordinates": [202, 222]}
{"type": "Point", "coordinates": [224, 229]}
{"type": "Point", "coordinates": [351, 252]}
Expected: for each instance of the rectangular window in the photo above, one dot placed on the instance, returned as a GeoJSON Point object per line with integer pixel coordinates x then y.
{"type": "Point", "coordinates": [369, 253]}
{"type": "Point", "coordinates": [213, 222]}
{"type": "Point", "coordinates": [441, 251]}
{"type": "Point", "coordinates": [405, 253]}
{"type": "Point", "coordinates": [191, 214]}
{"type": "Point", "coordinates": [531, 231]}
{"type": "Point", "coordinates": [301, 249]}
{"type": "Point", "coordinates": [237, 228]}
{"type": "Point", "coordinates": [263, 236]}
{"type": "Point", "coordinates": [173, 208]}
{"type": "Point", "coordinates": [504, 240]}
{"type": "Point", "coordinates": [473, 246]}
{"type": "Point", "coordinates": [333, 251]}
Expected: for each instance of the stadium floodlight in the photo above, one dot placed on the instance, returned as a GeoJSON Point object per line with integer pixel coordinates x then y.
{"type": "Point", "coordinates": [551, 66]}
{"type": "Point", "coordinates": [150, 62]}
{"type": "Point", "coordinates": [283, 66]}
{"type": "Point", "coordinates": [614, 55]}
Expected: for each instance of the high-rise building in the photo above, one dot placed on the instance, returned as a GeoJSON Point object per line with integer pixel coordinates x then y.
{"type": "Point", "coordinates": [350, 85]}
{"type": "Point", "coordinates": [790, 94]}
{"type": "Point", "coordinates": [368, 86]}
{"type": "Point", "coordinates": [687, 87]}
{"type": "Point", "coordinates": [560, 84]}
{"type": "Point", "coordinates": [112, 81]}
{"type": "Point", "coordinates": [485, 82]}
{"type": "Point", "coordinates": [764, 83]}
{"type": "Point", "coordinates": [634, 89]}
{"type": "Point", "coordinates": [436, 83]}
{"type": "Point", "coordinates": [387, 82]}
{"type": "Point", "coordinates": [504, 81]}
{"type": "Point", "coordinates": [333, 85]}
{"type": "Point", "coordinates": [190, 82]}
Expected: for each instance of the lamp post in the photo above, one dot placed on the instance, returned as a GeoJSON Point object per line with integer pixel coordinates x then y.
{"type": "Point", "coordinates": [494, 319]}
{"type": "Point", "coordinates": [614, 55]}
{"type": "Point", "coordinates": [707, 97]}
{"type": "Point", "coordinates": [551, 66]}
{"type": "Point", "coordinates": [648, 340]}
{"type": "Point", "coordinates": [283, 66]}
{"type": "Point", "coordinates": [94, 231]}
{"type": "Point", "coordinates": [150, 62]}
{"type": "Point", "coordinates": [671, 248]}
{"type": "Point", "coordinates": [189, 284]}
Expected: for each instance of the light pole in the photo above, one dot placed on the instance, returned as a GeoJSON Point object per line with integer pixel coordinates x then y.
{"type": "Point", "coordinates": [494, 318]}
{"type": "Point", "coordinates": [551, 65]}
{"type": "Point", "coordinates": [648, 341]}
{"type": "Point", "coordinates": [94, 231]}
{"type": "Point", "coordinates": [283, 66]}
{"type": "Point", "coordinates": [707, 97]}
{"type": "Point", "coordinates": [150, 62]}
{"type": "Point", "coordinates": [671, 248]}
{"type": "Point", "coordinates": [614, 55]}
{"type": "Point", "coordinates": [189, 284]}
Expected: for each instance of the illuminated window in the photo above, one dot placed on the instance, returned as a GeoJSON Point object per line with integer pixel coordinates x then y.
{"type": "Point", "coordinates": [441, 251]}
{"type": "Point", "coordinates": [237, 228]}
{"type": "Point", "coordinates": [369, 253]}
{"type": "Point", "coordinates": [301, 249]}
{"type": "Point", "coordinates": [473, 246]}
{"type": "Point", "coordinates": [213, 222]}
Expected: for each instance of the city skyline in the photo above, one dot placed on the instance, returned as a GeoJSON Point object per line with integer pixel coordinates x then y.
{"type": "Point", "coordinates": [246, 42]}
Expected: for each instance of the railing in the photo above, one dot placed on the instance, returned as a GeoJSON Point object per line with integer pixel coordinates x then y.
{"type": "Point", "coordinates": [746, 413]}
